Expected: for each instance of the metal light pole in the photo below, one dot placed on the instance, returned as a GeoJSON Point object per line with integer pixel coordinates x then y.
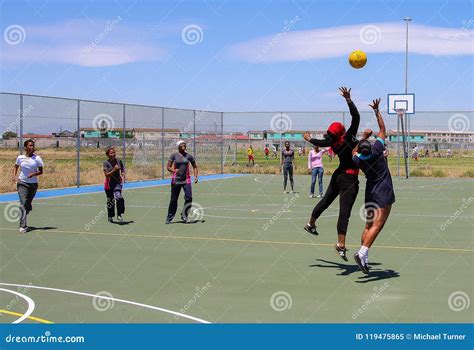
{"type": "Point", "coordinates": [407, 120]}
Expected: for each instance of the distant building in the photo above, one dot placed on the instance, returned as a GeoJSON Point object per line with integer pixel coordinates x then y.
{"type": "Point", "coordinates": [290, 135]}
{"type": "Point", "coordinates": [423, 136]}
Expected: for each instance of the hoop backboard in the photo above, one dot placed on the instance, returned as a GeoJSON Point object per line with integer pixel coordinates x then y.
{"type": "Point", "coordinates": [401, 101]}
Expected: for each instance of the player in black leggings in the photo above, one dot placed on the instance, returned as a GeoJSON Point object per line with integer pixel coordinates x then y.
{"type": "Point", "coordinates": [344, 181]}
{"type": "Point", "coordinates": [287, 166]}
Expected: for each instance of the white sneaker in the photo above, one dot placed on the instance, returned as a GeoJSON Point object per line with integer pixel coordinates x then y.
{"type": "Point", "coordinates": [311, 195]}
{"type": "Point", "coordinates": [23, 229]}
{"type": "Point", "coordinates": [120, 218]}
{"type": "Point", "coordinates": [318, 196]}
{"type": "Point", "coordinates": [285, 192]}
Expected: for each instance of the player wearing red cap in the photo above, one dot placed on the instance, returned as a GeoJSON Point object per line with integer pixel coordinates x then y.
{"type": "Point", "coordinates": [344, 181]}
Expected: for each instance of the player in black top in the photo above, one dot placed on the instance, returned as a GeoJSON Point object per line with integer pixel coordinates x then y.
{"type": "Point", "coordinates": [287, 166]}
{"type": "Point", "coordinates": [379, 194]}
{"type": "Point", "coordinates": [344, 182]}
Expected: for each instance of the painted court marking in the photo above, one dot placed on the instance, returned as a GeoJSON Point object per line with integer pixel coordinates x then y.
{"type": "Point", "coordinates": [37, 319]}
{"type": "Point", "coordinates": [236, 240]}
{"type": "Point", "coordinates": [92, 296]}
{"type": "Point", "coordinates": [31, 304]}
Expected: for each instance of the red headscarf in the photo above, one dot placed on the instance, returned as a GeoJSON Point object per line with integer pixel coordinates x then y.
{"type": "Point", "coordinates": [338, 131]}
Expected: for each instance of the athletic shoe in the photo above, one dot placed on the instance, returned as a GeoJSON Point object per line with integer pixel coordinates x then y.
{"type": "Point", "coordinates": [120, 218]}
{"type": "Point", "coordinates": [341, 252]}
{"type": "Point", "coordinates": [311, 195]}
{"type": "Point", "coordinates": [184, 219]}
{"type": "Point", "coordinates": [311, 229]}
{"type": "Point", "coordinates": [361, 263]}
{"type": "Point", "coordinates": [285, 192]}
{"type": "Point", "coordinates": [111, 220]}
{"type": "Point", "coordinates": [168, 221]}
{"type": "Point", "coordinates": [319, 196]}
{"type": "Point", "coordinates": [23, 229]}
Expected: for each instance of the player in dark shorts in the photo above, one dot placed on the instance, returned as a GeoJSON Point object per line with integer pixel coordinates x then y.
{"type": "Point", "coordinates": [114, 172]}
{"type": "Point", "coordinates": [344, 181]}
{"type": "Point", "coordinates": [178, 164]}
{"type": "Point", "coordinates": [287, 166]}
{"type": "Point", "coordinates": [379, 194]}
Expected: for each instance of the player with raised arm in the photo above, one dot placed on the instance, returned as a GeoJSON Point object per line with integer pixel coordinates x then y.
{"type": "Point", "coordinates": [379, 194]}
{"type": "Point", "coordinates": [344, 181]}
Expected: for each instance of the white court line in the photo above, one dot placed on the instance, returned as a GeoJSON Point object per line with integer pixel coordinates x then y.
{"type": "Point", "coordinates": [97, 297]}
{"type": "Point", "coordinates": [31, 304]}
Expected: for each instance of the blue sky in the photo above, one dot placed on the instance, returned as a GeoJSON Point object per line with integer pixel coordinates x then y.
{"type": "Point", "coordinates": [246, 55]}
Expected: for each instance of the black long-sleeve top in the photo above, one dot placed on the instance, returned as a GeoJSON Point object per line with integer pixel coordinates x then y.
{"type": "Point", "coordinates": [344, 150]}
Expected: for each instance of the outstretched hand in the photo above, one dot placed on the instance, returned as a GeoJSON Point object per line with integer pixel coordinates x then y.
{"type": "Point", "coordinates": [375, 104]}
{"type": "Point", "coordinates": [345, 92]}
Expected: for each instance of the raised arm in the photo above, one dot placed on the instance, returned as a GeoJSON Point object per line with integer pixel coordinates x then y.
{"type": "Point", "coordinates": [346, 93]}
{"type": "Point", "coordinates": [375, 106]}
{"type": "Point", "coordinates": [326, 142]}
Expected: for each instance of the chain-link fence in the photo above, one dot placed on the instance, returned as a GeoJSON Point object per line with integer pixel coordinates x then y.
{"type": "Point", "coordinates": [72, 135]}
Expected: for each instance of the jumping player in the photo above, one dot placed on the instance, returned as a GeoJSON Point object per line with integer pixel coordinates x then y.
{"type": "Point", "coordinates": [114, 172]}
{"type": "Point", "coordinates": [178, 164]}
{"type": "Point", "coordinates": [344, 182]}
{"type": "Point", "coordinates": [287, 166]}
{"type": "Point", "coordinates": [31, 166]}
{"type": "Point", "coordinates": [379, 194]}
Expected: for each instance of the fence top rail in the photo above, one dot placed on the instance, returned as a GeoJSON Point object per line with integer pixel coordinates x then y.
{"type": "Point", "coordinates": [207, 111]}
{"type": "Point", "coordinates": [105, 102]}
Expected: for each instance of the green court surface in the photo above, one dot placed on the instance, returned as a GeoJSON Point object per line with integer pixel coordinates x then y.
{"type": "Point", "coordinates": [247, 260]}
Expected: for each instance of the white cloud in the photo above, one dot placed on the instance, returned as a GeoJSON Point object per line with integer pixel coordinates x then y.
{"type": "Point", "coordinates": [84, 43]}
{"type": "Point", "coordinates": [371, 38]}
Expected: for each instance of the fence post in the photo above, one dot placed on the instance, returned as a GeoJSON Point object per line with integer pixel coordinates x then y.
{"type": "Point", "coordinates": [124, 141]}
{"type": "Point", "coordinates": [194, 134]}
{"type": "Point", "coordinates": [78, 145]}
{"type": "Point", "coordinates": [222, 142]}
{"type": "Point", "coordinates": [162, 143]}
{"type": "Point", "coordinates": [20, 145]}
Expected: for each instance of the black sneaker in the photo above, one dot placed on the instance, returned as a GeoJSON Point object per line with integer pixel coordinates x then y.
{"type": "Point", "coordinates": [185, 219]}
{"type": "Point", "coordinates": [311, 229]}
{"type": "Point", "coordinates": [111, 220]}
{"type": "Point", "coordinates": [361, 263]}
{"type": "Point", "coordinates": [168, 221]}
{"type": "Point", "coordinates": [341, 252]}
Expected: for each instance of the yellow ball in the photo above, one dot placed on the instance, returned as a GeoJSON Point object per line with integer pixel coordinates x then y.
{"type": "Point", "coordinates": [357, 59]}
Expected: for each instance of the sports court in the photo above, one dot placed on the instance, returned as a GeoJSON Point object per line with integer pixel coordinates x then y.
{"type": "Point", "coordinates": [245, 259]}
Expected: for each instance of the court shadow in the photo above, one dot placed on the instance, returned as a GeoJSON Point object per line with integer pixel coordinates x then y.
{"type": "Point", "coordinates": [45, 228]}
{"type": "Point", "coordinates": [123, 222]}
{"type": "Point", "coordinates": [377, 275]}
{"type": "Point", "coordinates": [190, 222]}
{"type": "Point", "coordinates": [346, 268]}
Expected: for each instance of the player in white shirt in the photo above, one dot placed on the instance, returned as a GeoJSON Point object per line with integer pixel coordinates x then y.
{"type": "Point", "coordinates": [31, 166]}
